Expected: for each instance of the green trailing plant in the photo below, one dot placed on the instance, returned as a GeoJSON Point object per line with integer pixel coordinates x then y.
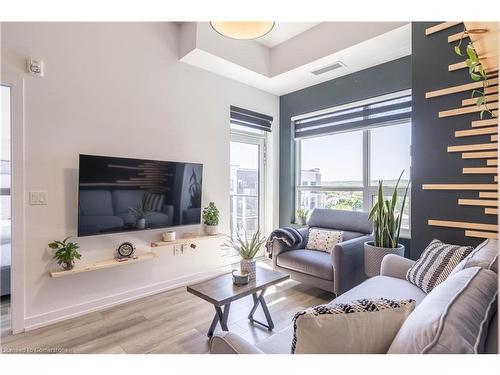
{"type": "Point", "coordinates": [302, 213]}
{"type": "Point", "coordinates": [211, 214]}
{"type": "Point", "coordinates": [476, 72]}
{"type": "Point", "coordinates": [194, 190]}
{"type": "Point", "coordinates": [246, 247]}
{"type": "Point", "coordinates": [142, 210]}
{"type": "Point", "coordinates": [65, 253]}
{"type": "Point", "coordinates": [386, 219]}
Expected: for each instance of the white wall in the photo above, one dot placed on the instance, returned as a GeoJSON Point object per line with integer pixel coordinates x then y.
{"type": "Point", "coordinates": [117, 89]}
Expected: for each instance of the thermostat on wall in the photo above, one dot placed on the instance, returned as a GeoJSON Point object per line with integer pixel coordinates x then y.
{"type": "Point", "coordinates": [35, 67]}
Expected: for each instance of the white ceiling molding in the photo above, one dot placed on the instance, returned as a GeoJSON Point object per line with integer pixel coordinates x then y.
{"type": "Point", "coordinates": [289, 65]}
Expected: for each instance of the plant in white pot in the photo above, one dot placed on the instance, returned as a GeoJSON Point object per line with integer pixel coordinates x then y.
{"type": "Point", "coordinates": [211, 219]}
{"type": "Point", "coordinates": [387, 219]}
{"type": "Point", "coordinates": [65, 253]}
{"type": "Point", "coordinates": [247, 248]}
{"type": "Point", "coordinates": [302, 216]}
{"type": "Point", "coordinates": [140, 213]}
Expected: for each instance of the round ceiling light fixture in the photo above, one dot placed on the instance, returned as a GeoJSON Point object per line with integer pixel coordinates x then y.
{"type": "Point", "coordinates": [242, 30]}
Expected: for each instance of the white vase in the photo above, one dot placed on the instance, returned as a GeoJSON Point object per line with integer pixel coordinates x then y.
{"type": "Point", "coordinates": [141, 223]}
{"type": "Point", "coordinates": [248, 266]}
{"type": "Point", "coordinates": [375, 254]}
{"type": "Point", "coordinates": [211, 230]}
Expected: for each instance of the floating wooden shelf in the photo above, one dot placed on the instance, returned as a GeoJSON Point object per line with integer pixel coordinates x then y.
{"type": "Point", "coordinates": [454, 37]}
{"type": "Point", "coordinates": [480, 155]}
{"type": "Point", "coordinates": [473, 101]}
{"type": "Point", "coordinates": [440, 27]}
{"type": "Point", "coordinates": [473, 132]}
{"type": "Point", "coordinates": [491, 211]}
{"type": "Point", "coordinates": [457, 66]}
{"type": "Point", "coordinates": [487, 122]}
{"type": "Point", "coordinates": [478, 202]}
{"type": "Point", "coordinates": [485, 44]}
{"type": "Point", "coordinates": [492, 162]}
{"type": "Point", "coordinates": [102, 264]}
{"type": "Point", "coordinates": [460, 187]}
{"type": "Point", "coordinates": [473, 147]}
{"type": "Point", "coordinates": [494, 138]}
{"type": "Point", "coordinates": [480, 170]}
{"type": "Point", "coordinates": [186, 239]}
{"type": "Point", "coordinates": [478, 234]}
{"type": "Point", "coordinates": [465, 110]}
{"type": "Point", "coordinates": [463, 225]}
{"type": "Point", "coordinates": [488, 194]}
{"type": "Point", "coordinates": [461, 88]}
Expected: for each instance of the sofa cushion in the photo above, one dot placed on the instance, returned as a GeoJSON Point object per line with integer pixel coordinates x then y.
{"type": "Point", "coordinates": [323, 239]}
{"type": "Point", "coordinates": [311, 262]}
{"type": "Point", "coordinates": [154, 201]}
{"type": "Point", "coordinates": [383, 286]}
{"type": "Point", "coordinates": [435, 264]}
{"type": "Point", "coordinates": [485, 255]}
{"type": "Point", "coordinates": [124, 200]}
{"type": "Point", "coordinates": [95, 203]}
{"type": "Point", "coordinates": [353, 221]}
{"type": "Point", "coordinates": [365, 326]}
{"type": "Point", "coordinates": [453, 318]}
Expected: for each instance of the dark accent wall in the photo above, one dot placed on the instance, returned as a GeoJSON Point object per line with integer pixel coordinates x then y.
{"type": "Point", "coordinates": [378, 80]}
{"type": "Point", "coordinates": [431, 163]}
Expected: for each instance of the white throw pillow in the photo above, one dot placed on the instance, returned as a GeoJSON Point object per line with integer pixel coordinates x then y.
{"type": "Point", "coordinates": [359, 327]}
{"type": "Point", "coordinates": [323, 239]}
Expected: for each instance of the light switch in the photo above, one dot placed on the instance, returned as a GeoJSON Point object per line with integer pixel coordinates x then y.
{"type": "Point", "coordinates": [38, 198]}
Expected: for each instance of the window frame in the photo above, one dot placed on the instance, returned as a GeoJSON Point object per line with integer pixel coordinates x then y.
{"type": "Point", "coordinates": [367, 189]}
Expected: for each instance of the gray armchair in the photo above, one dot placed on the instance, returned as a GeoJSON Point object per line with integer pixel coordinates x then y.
{"type": "Point", "coordinates": [337, 272]}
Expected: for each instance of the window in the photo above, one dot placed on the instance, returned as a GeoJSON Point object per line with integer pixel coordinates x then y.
{"type": "Point", "coordinates": [341, 169]}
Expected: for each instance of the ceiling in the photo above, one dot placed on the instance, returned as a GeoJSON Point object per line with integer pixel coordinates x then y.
{"type": "Point", "coordinates": [284, 60]}
{"type": "Point", "coordinates": [282, 31]}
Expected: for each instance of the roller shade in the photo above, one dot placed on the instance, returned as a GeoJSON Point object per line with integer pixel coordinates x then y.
{"type": "Point", "coordinates": [250, 119]}
{"type": "Point", "coordinates": [356, 118]}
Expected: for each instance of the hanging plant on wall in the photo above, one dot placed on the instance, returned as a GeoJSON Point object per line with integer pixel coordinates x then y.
{"type": "Point", "coordinates": [476, 72]}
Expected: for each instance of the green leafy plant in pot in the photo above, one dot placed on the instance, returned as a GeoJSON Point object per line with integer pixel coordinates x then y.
{"type": "Point", "coordinates": [211, 219]}
{"type": "Point", "coordinates": [65, 253]}
{"type": "Point", "coordinates": [387, 219]}
{"type": "Point", "coordinates": [247, 248]}
{"type": "Point", "coordinates": [301, 215]}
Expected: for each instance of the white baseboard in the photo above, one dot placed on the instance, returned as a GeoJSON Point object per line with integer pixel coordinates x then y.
{"type": "Point", "coordinates": [54, 316]}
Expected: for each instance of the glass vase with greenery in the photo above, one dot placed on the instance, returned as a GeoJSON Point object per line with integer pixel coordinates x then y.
{"type": "Point", "coordinates": [302, 216]}
{"type": "Point", "coordinates": [65, 253]}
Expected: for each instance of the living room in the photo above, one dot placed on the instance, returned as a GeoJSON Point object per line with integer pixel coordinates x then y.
{"type": "Point", "coordinates": [316, 185]}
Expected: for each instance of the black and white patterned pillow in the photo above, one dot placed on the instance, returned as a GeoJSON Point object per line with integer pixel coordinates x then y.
{"type": "Point", "coordinates": [323, 328]}
{"type": "Point", "coordinates": [323, 239]}
{"type": "Point", "coordinates": [153, 201]}
{"type": "Point", "coordinates": [435, 264]}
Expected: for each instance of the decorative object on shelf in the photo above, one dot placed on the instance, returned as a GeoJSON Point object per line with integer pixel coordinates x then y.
{"type": "Point", "coordinates": [240, 277]}
{"type": "Point", "coordinates": [125, 250]}
{"type": "Point", "coordinates": [211, 219]}
{"type": "Point", "coordinates": [140, 213]}
{"type": "Point", "coordinates": [386, 229]}
{"type": "Point", "coordinates": [247, 249]}
{"type": "Point", "coordinates": [168, 236]}
{"type": "Point", "coordinates": [242, 30]}
{"type": "Point", "coordinates": [302, 216]}
{"type": "Point", "coordinates": [65, 253]}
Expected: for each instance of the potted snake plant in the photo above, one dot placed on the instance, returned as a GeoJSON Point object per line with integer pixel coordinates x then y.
{"type": "Point", "coordinates": [247, 247]}
{"type": "Point", "coordinates": [386, 229]}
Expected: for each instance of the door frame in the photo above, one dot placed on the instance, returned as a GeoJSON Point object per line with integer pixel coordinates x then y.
{"type": "Point", "coordinates": [18, 183]}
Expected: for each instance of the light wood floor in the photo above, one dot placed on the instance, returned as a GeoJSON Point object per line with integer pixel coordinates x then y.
{"type": "Point", "coordinates": [169, 322]}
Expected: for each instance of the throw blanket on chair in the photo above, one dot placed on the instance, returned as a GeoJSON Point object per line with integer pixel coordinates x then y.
{"type": "Point", "coordinates": [289, 236]}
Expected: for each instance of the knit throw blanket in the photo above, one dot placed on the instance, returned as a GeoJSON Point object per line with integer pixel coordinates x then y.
{"type": "Point", "coordinates": [288, 235]}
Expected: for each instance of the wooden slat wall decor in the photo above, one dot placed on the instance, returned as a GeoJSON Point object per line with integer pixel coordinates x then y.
{"type": "Point", "coordinates": [487, 47]}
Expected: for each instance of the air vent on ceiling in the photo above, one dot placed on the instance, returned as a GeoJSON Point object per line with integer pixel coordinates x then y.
{"type": "Point", "coordinates": [329, 68]}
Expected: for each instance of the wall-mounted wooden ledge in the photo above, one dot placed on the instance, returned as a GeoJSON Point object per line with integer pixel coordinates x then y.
{"type": "Point", "coordinates": [479, 234]}
{"type": "Point", "coordinates": [463, 225]}
{"type": "Point", "coordinates": [488, 194]}
{"type": "Point", "coordinates": [493, 187]}
{"type": "Point", "coordinates": [480, 170]}
{"type": "Point", "coordinates": [480, 155]}
{"type": "Point", "coordinates": [102, 265]}
{"type": "Point", "coordinates": [454, 37]}
{"type": "Point", "coordinates": [440, 27]}
{"type": "Point", "coordinates": [473, 101]}
{"type": "Point", "coordinates": [479, 131]}
{"type": "Point", "coordinates": [487, 122]}
{"type": "Point", "coordinates": [491, 211]}
{"type": "Point", "coordinates": [470, 109]}
{"type": "Point", "coordinates": [465, 87]}
{"type": "Point", "coordinates": [478, 202]}
{"type": "Point", "coordinates": [186, 239]}
{"type": "Point", "coordinates": [473, 147]}
{"type": "Point", "coordinates": [492, 162]}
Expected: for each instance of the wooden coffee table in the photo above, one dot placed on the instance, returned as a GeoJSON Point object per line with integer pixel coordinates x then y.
{"type": "Point", "coordinates": [220, 292]}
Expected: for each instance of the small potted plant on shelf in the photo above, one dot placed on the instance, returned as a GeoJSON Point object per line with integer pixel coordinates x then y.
{"type": "Point", "coordinates": [301, 215]}
{"type": "Point", "coordinates": [65, 253]}
{"type": "Point", "coordinates": [386, 229]}
{"type": "Point", "coordinates": [247, 248]}
{"type": "Point", "coordinates": [140, 213]}
{"type": "Point", "coordinates": [211, 219]}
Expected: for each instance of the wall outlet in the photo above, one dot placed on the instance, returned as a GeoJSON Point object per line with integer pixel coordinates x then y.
{"type": "Point", "coordinates": [35, 67]}
{"type": "Point", "coordinates": [177, 250]}
{"type": "Point", "coordinates": [38, 198]}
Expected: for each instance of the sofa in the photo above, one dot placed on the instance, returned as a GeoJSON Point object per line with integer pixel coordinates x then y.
{"type": "Point", "coordinates": [338, 271]}
{"type": "Point", "coordinates": [105, 210]}
{"type": "Point", "coordinates": [392, 284]}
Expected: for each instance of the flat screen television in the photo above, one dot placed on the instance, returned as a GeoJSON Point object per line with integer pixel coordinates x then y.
{"type": "Point", "coordinates": [121, 194]}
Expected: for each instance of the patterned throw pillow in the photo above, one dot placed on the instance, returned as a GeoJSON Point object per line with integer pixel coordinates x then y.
{"type": "Point", "coordinates": [370, 325]}
{"type": "Point", "coordinates": [323, 239]}
{"type": "Point", "coordinates": [435, 264]}
{"type": "Point", "coordinates": [154, 201]}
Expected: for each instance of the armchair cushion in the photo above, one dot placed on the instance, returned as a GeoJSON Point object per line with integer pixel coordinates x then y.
{"type": "Point", "coordinates": [311, 262]}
